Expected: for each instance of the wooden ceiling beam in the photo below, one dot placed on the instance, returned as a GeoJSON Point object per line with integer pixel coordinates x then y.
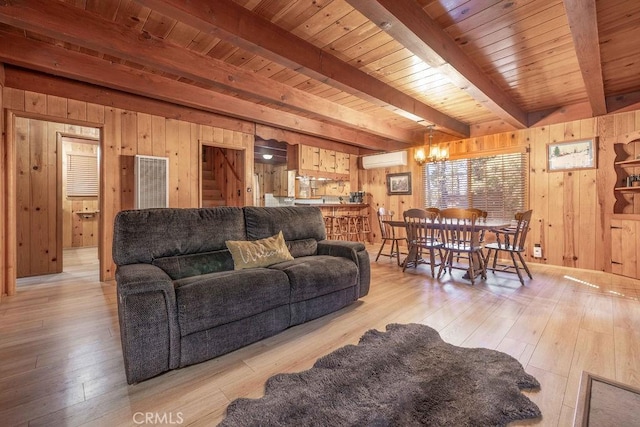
{"type": "Point", "coordinates": [73, 25]}
{"type": "Point", "coordinates": [17, 50]}
{"type": "Point", "coordinates": [407, 23]}
{"type": "Point", "coordinates": [623, 102]}
{"type": "Point", "coordinates": [583, 24]}
{"type": "Point", "coordinates": [231, 22]}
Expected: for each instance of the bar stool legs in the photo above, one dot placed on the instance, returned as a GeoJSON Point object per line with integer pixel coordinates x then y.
{"type": "Point", "coordinates": [365, 228]}
{"type": "Point", "coordinates": [354, 227]}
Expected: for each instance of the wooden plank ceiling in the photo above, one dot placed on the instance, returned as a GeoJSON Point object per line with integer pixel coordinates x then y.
{"type": "Point", "coordinates": [371, 73]}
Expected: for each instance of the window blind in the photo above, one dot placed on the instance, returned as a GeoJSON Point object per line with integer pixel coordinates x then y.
{"type": "Point", "coordinates": [82, 175]}
{"type": "Point", "coordinates": [496, 184]}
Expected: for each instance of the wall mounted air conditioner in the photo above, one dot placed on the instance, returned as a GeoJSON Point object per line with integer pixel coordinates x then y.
{"type": "Point", "coordinates": [151, 189]}
{"type": "Point", "coordinates": [386, 160]}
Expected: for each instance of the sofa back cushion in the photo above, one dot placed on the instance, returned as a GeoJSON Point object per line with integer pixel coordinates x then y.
{"type": "Point", "coordinates": [296, 223]}
{"type": "Point", "coordinates": [181, 266]}
{"type": "Point", "coordinates": [140, 236]}
{"type": "Point", "coordinates": [304, 247]}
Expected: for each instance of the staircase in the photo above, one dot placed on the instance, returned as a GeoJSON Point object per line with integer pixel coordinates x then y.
{"type": "Point", "coordinates": [211, 193]}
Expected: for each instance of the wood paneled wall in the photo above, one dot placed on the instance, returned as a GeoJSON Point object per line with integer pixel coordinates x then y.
{"type": "Point", "coordinates": [3, 190]}
{"type": "Point", "coordinates": [571, 210]}
{"type": "Point", "coordinates": [126, 133]}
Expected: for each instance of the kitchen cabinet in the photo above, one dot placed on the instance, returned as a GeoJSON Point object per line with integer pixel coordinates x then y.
{"type": "Point", "coordinates": [327, 160]}
{"type": "Point", "coordinates": [318, 162]}
{"type": "Point", "coordinates": [342, 163]}
{"type": "Point", "coordinates": [308, 158]}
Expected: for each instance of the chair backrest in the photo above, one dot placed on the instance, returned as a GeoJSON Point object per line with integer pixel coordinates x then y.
{"type": "Point", "coordinates": [479, 212]}
{"type": "Point", "coordinates": [418, 233]}
{"type": "Point", "coordinates": [522, 229]}
{"type": "Point", "coordinates": [434, 210]}
{"type": "Point", "coordinates": [386, 231]}
{"type": "Point", "coordinates": [482, 216]}
{"type": "Point", "coordinates": [458, 227]}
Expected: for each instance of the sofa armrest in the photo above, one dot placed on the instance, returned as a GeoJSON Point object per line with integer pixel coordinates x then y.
{"type": "Point", "coordinates": [340, 248]}
{"type": "Point", "coordinates": [148, 321]}
{"type": "Point", "coordinates": [354, 251]}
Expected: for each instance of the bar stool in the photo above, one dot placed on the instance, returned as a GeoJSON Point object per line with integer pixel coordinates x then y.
{"type": "Point", "coordinates": [342, 227]}
{"type": "Point", "coordinates": [365, 227]}
{"type": "Point", "coordinates": [328, 226]}
{"type": "Point", "coordinates": [353, 227]}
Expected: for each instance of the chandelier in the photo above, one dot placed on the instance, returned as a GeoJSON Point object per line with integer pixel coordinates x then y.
{"type": "Point", "coordinates": [436, 154]}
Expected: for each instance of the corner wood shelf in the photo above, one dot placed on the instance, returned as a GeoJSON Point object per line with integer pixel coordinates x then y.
{"type": "Point", "coordinates": [629, 189]}
{"type": "Point", "coordinates": [86, 214]}
{"type": "Point", "coordinates": [627, 147]}
{"type": "Point", "coordinates": [633, 162]}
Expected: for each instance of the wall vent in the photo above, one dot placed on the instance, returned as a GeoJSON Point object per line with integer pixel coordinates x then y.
{"type": "Point", "coordinates": [151, 182]}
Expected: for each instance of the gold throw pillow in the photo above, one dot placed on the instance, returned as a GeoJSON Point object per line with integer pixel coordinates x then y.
{"type": "Point", "coordinates": [258, 253]}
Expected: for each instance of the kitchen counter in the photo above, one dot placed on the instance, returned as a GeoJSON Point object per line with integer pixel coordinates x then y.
{"type": "Point", "coordinates": [335, 205]}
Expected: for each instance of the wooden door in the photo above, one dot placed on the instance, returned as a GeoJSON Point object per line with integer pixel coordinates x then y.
{"type": "Point", "coordinates": [625, 245]}
{"type": "Point", "coordinates": [38, 207]}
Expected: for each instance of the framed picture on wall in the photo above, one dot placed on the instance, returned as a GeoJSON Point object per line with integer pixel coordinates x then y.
{"type": "Point", "coordinates": [399, 183]}
{"type": "Point", "coordinates": [571, 155]}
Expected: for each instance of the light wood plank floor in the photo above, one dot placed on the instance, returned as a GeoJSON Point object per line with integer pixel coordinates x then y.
{"type": "Point", "coordinates": [61, 362]}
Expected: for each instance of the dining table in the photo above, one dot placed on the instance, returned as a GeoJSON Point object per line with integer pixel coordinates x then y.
{"type": "Point", "coordinates": [480, 225]}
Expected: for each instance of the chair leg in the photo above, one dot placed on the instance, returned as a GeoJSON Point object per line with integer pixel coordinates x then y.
{"type": "Point", "coordinates": [487, 258]}
{"type": "Point", "coordinates": [495, 260]}
{"type": "Point", "coordinates": [397, 252]}
{"type": "Point", "coordinates": [515, 264]}
{"type": "Point", "coordinates": [443, 263]}
{"type": "Point", "coordinates": [472, 270]}
{"type": "Point", "coordinates": [408, 258]}
{"type": "Point", "coordinates": [524, 264]}
{"type": "Point", "coordinates": [384, 242]}
{"type": "Point", "coordinates": [483, 265]}
{"type": "Point", "coordinates": [432, 260]}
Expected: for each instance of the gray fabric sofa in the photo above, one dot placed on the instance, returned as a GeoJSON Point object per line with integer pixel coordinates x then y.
{"type": "Point", "coordinates": [181, 302]}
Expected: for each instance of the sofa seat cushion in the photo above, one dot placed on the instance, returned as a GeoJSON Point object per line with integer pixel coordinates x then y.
{"type": "Point", "coordinates": [313, 276]}
{"type": "Point", "coordinates": [215, 299]}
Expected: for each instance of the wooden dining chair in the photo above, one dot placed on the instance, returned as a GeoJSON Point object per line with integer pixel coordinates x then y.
{"type": "Point", "coordinates": [434, 210]}
{"type": "Point", "coordinates": [423, 236]}
{"type": "Point", "coordinates": [387, 232]}
{"type": "Point", "coordinates": [511, 240]}
{"type": "Point", "coordinates": [460, 237]}
{"type": "Point", "coordinates": [482, 216]}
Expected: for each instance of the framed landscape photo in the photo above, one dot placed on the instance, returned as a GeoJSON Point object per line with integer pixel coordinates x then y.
{"type": "Point", "coordinates": [571, 155]}
{"type": "Point", "coordinates": [399, 183]}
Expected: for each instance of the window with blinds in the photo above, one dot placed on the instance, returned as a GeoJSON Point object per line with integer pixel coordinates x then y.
{"type": "Point", "coordinates": [496, 184]}
{"type": "Point", "coordinates": [82, 175]}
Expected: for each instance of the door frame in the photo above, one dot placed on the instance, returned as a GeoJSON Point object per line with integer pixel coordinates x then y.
{"type": "Point", "coordinates": [60, 136]}
{"type": "Point", "coordinates": [9, 275]}
{"type": "Point", "coordinates": [247, 183]}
